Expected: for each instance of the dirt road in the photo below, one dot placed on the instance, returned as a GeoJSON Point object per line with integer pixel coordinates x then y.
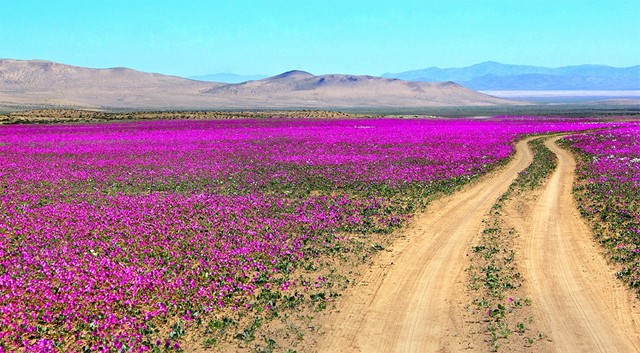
{"type": "Point", "coordinates": [412, 299]}
{"type": "Point", "coordinates": [409, 300]}
{"type": "Point", "coordinates": [575, 294]}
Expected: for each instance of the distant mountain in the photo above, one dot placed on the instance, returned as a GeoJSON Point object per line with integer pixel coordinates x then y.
{"type": "Point", "coordinates": [41, 75]}
{"type": "Point", "coordinates": [48, 84]}
{"type": "Point", "coordinates": [302, 89]}
{"type": "Point", "coordinates": [496, 76]}
{"type": "Point", "coordinates": [45, 83]}
{"type": "Point", "coordinates": [228, 78]}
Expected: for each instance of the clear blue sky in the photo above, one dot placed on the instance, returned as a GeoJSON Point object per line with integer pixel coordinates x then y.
{"type": "Point", "coordinates": [186, 38]}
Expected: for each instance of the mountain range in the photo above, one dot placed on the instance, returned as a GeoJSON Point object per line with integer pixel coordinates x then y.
{"type": "Point", "coordinates": [48, 84]}
{"type": "Point", "coordinates": [491, 75]}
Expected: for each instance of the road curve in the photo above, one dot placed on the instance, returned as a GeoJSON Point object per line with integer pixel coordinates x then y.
{"type": "Point", "coordinates": [574, 292]}
{"type": "Point", "coordinates": [409, 300]}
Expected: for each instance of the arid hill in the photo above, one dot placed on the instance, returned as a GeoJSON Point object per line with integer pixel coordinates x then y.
{"type": "Point", "coordinates": [302, 88]}
{"type": "Point", "coordinates": [47, 84]}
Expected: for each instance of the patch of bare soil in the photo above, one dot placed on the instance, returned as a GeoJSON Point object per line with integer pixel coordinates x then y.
{"type": "Point", "coordinates": [575, 297]}
{"type": "Point", "coordinates": [412, 300]}
{"type": "Point", "coordinates": [415, 296]}
{"type": "Point", "coordinates": [500, 313]}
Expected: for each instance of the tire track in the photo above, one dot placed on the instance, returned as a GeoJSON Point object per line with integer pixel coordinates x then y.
{"type": "Point", "coordinates": [411, 299]}
{"type": "Point", "coordinates": [574, 292]}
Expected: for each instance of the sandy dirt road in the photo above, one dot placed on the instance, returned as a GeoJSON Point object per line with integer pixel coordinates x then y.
{"type": "Point", "coordinates": [412, 299]}
{"type": "Point", "coordinates": [409, 300]}
{"type": "Point", "coordinates": [574, 292]}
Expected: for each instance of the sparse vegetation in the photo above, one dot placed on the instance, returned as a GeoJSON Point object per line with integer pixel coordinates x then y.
{"type": "Point", "coordinates": [50, 116]}
{"type": "Point", "coordinates": [607, 189]}
{"type": "Point", "coordinates": [494, 277]}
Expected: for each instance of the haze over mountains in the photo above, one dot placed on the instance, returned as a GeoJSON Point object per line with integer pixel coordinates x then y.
{"type": "Point", "coordinates": [43, 83]}
{"type": "Point", "coordinates": [496, 76]}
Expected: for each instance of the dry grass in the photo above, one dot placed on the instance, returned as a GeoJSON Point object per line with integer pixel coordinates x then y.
{"type": "Point", "coordinates": [47, 116]}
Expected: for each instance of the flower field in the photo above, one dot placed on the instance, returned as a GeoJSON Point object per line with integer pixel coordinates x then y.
{"type": "Point", "coordinates": [128, 237]}
{"type": "Point", "coordinates": [609, 174]}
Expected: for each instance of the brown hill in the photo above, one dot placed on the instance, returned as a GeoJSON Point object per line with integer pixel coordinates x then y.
{"type": "Point", "coordinates": [304, 89]}
{"type": "Point", "coordinates": [43, 83]}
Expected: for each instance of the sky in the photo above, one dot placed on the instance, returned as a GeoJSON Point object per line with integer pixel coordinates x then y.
{"type": "Point", "coordinates": [189, 38]}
